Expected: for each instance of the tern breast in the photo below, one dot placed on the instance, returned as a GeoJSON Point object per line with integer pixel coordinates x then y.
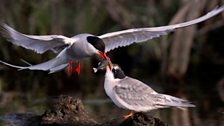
{"type": "Point", "coordinates": [109, 85]}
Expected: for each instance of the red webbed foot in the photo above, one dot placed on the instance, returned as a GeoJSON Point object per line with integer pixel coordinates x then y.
{"type": "Point", "coordinates": [77, 69]}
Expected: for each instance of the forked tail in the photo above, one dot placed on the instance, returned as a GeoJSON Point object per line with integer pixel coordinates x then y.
{"type": "Point", "coordinates": [51, 66]}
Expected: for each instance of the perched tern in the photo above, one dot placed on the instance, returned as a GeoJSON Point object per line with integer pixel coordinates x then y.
{"type": "Point", "coordinates": [87, 45]}
{"type": "Point", "coordinates": [132, 94]}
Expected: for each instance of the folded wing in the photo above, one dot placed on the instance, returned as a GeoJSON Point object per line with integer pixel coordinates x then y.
{"type": "Point", "coordinates": [141, 97]}
{"type": "Point", "coordinates": [134, 92]}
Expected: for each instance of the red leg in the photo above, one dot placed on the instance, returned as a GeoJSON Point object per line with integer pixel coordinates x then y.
{"type": "Point", "coordinates": [70, 68]}
{"type": "Point", "coordinates": [77, 69]}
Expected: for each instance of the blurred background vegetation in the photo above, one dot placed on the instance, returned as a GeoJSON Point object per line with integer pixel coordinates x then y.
{"type": "Point", "coordinates": [188, 63]}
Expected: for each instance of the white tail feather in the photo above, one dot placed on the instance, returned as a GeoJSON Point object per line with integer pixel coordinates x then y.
{"type": "Point", "coordinates": [175, 102]}
{"type": "Point", "coordinates": [14, 66]}
{"type": "Point", "coordinates": [26, 62]}
{"type": "Point", "coordinates": [53, 65]}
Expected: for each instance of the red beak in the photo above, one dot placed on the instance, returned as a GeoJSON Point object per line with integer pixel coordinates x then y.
{"type": "Point", "coordinates": [103, 55]}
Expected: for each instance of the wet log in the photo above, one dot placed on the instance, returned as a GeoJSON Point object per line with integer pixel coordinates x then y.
{"type": "Point", "coordinates": [68, 111]}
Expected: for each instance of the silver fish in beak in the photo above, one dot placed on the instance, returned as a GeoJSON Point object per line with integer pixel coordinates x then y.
{"type": "Point", "coordinates": [101, 66]}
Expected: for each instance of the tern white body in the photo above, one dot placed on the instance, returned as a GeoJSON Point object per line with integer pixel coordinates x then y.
{"type": "Point", "coordinates": [109, 84]}
{"type": "Point", "coordinates": [81, 48]}
{"type": "Point", "coordinates": [129, 93]}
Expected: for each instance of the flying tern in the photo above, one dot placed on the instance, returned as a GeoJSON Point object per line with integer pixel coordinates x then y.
{"type": "Point", "coordinates": [68, 49]}
{"type": "Point", "coordinates": [87, 45]}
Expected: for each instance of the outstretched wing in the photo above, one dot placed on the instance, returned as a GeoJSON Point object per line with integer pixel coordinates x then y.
{"type": "Point", "coordinates": [127, 37]}
{"type": "Point", "coordinates": [39, 44]}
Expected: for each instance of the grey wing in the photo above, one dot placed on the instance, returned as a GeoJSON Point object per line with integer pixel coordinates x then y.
{"type": "Point", "coordinates": [137, 94]}
{"type": "Point", "coordinates": [134, 92]}
{"type": "Point", "coordinates": [39, 44]}
{"type": "Point", "coordinates": [127, 37]}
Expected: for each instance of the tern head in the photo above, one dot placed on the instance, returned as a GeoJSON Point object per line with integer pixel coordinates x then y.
{"type": "Point", "coordinates": [117, 72]}
{"type": "Point", "coordinates": [98, 44]}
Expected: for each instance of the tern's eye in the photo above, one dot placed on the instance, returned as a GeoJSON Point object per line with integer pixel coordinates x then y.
{"type": "Point", "coordinates": [114, 70]}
